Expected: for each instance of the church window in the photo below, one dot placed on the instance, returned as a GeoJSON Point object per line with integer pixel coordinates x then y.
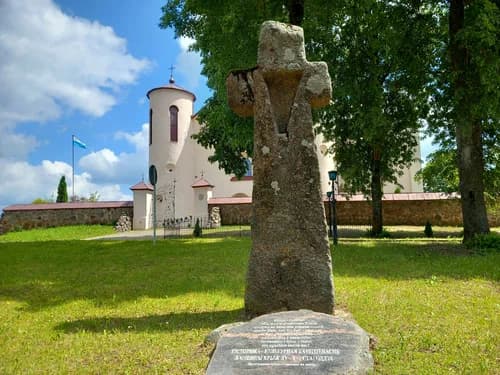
{"type": "Point", "coordinates": [174, 111]}
{"type": "Point", "coordinates": [150, 126]}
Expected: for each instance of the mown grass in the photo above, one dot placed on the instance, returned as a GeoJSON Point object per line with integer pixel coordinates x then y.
{"type": "Point", "coordinates": [130, 307]}
{"type": "Point", "coordinates": [70, 232]}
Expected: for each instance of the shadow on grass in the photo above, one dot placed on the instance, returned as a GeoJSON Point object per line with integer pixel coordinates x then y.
{"type": "Point", "coordinates": [109, 272]}
{"type": "Point", "coordinates": [405, 260]}
{"type": "Point", "coordinates": [164, 323]}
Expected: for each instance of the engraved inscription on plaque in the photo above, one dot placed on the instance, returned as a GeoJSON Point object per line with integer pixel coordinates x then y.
{"type": "Point", "coordinates": [292, 342]}
{"type": "Point", "coordinates": [282, 340]}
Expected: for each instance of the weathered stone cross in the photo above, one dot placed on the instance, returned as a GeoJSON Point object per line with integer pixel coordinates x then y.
{"type": "Point", "coordinates": [290, 264]}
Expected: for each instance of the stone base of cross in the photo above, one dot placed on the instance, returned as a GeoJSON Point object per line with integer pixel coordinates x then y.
{"type": "Point", "coordinates": [290, 264]}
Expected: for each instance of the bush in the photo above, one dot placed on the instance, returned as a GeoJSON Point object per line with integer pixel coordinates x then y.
{"type": "Point", "coordinates": [197, 229]}
{"type": "Point", "coordinates": [483, 243]}
{"type": "Point", "coordinates": [383, 234]}
{"type": "Point", "coordinates": [428, 230]}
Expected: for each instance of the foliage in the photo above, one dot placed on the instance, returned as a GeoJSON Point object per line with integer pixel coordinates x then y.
{"type": "Point", "coordinates": [197, 228]}
{"type": "Point", "coordinates": [428, 229]}
{"type": "Point", "coordinates": [379, 77]}
{"type": "Point", "coordinates": [225, 34]}
{"type": "Point", "coordinates": [93, 197]}
{"type": "Point", "coordinates": [112, 304]}
{"type": "Point", "coordinates": [62, 190]}
{"type": "Point", "coordinates": [440, 173]}
{"type": "Point", "coordinates": [384, 233]}
{"type": "Point", "coordinates": [42, 200]}
{"type": "Point", "coordinates": [483, 243]}
{"type": "Point", "coordinates": [466, 102]}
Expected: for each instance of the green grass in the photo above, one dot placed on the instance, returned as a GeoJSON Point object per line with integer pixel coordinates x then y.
{"type": "Point", "coordinates": [71, 232]}
{"type": "Point", "coordinates": [130, 307]}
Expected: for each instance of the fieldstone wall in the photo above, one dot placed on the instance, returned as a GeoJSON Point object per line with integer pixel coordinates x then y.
{"type": "Point", "coordinates": [445, 212]}
{"type": "Point", "coordinates": [234, 214]}
{"type": "Point", "coordinates": [31, 216]}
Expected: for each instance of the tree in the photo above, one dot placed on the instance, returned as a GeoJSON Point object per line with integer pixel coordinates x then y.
{"type": "Point", "coordinates": [466, 103]}
{"type": "Point", "coordinates": [226, 36]}
{"type": "Point", "coordinates": [378, 58]}
{"type": "Point", "coordinates": [440, 173]}
{"type": "Point", "coordinates": [381, 58]}
{"type": "Point", "coordinates": [62, 191]}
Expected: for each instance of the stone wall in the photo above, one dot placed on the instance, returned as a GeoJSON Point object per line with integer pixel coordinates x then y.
{"type": "Point", "coordinates": [29, 216]}
{"type": "Point", "coordinates": [398, 209]}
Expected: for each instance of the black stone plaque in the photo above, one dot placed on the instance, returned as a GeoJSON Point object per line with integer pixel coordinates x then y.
{"type": "Point", "coordinates": [293, 342]}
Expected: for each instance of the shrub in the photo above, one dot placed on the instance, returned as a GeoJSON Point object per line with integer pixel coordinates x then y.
{"type": "Point", "coordinates": [197, 229]}
{"type": "Point", "coordinates": [483, 243]}
{"type": "Point", "coordinates": [428, 230]}
{"type": "Point", "coordinates": [383, 234]}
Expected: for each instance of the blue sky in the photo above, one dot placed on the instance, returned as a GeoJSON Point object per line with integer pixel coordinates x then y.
{"type": "Point", "coordinates": [83, 67]}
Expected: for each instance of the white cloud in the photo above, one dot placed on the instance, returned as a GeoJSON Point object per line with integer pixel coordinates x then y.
{"type": "Point", "coordinates": [188, 63]}
{"type": "Point", "coordinates": [23, 182]}
{"type": "Point", "coordinates": [139, 139]}
{"type": "Point", "coordinates": [105, 166]}
{"type": "Point", "coordinates": [50, 64]}
{"type": "Point", "coordinates": [51, 60]}
{"type": "Point", "coordinates": [14, 145]}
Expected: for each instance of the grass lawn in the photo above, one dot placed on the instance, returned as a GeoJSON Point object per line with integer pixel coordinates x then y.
{"type": "Point", "coordinates": [71, 306]}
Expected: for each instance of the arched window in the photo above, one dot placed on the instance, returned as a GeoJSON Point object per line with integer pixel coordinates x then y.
{"type": "Point", "coordinates": [174, 111]}
{"type": "Point", "coordinates": [150, 126]}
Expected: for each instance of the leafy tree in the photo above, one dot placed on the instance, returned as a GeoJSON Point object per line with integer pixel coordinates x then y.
{"type": "Point", "coordinates": [62, 191]}
{"type": "Point", "coordinates": [466, 103]}
{"type": "Point", "coordinates": [378, 55]}
{"type": "Point", "coordinates": [440, 173]}
{"type": "Point", "coordinates": [94, 197]}
{"type": "Point", "coordinates": [226, 36]}
{"type": "Point", "coordinates": [41, 201]}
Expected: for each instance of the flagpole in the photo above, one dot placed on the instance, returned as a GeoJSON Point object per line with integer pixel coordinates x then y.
{"type": "Point", "coordinates": [73, 164]}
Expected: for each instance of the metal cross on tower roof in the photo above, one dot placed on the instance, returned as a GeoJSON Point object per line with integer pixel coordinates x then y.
{"type": "Point", "coordinates": [171, 80]}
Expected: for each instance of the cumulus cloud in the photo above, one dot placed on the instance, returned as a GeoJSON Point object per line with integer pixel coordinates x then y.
{"type": "Point", "coordinates": [106, 166]}
{"type": "Point", "coordinates": [51, 61]}
{"type": "Point", "coordinates": [188, 63]}
{"type": "Point", "coordinates": [14, 145]}
{"type": "Point", "coordinates": [23, 182]}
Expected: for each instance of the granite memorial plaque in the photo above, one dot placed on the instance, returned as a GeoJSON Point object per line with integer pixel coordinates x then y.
{"type": "Point", "coordinates": [293, 342]}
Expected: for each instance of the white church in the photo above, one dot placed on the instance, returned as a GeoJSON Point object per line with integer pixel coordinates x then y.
{"type": "Point", "coordinates": [187, 181]}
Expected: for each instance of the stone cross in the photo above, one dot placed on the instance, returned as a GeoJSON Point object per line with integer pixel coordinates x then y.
{"type": "Point", "coordinates": [290, 264]}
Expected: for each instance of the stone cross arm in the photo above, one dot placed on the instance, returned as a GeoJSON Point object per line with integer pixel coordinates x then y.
{"type": "Point", "coordinates": [281, 62]}
{"type": "Point", "coordinates": [239, 85]}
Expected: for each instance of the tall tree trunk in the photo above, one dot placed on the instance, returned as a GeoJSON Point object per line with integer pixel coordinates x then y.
{"type": "Point", "coordinates": [376, 190]}
{"type": "Point", "coordinates": [468, 132]}
{"type": "Point", "coordinates": [295, 11]}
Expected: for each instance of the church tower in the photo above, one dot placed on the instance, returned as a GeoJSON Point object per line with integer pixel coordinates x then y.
{"type": "Point", "coordinates": [170, 113]}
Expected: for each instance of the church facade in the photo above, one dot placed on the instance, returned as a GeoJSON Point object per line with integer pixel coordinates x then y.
{"type": "Point", "coordinates": [187, 181]}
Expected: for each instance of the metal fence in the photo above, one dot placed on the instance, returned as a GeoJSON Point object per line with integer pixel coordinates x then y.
{"type": "Point", "coordinates": [184, 227]}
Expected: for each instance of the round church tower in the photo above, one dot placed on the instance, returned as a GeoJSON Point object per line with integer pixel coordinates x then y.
{"type": "Point", "coordinates": [170, 112]}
